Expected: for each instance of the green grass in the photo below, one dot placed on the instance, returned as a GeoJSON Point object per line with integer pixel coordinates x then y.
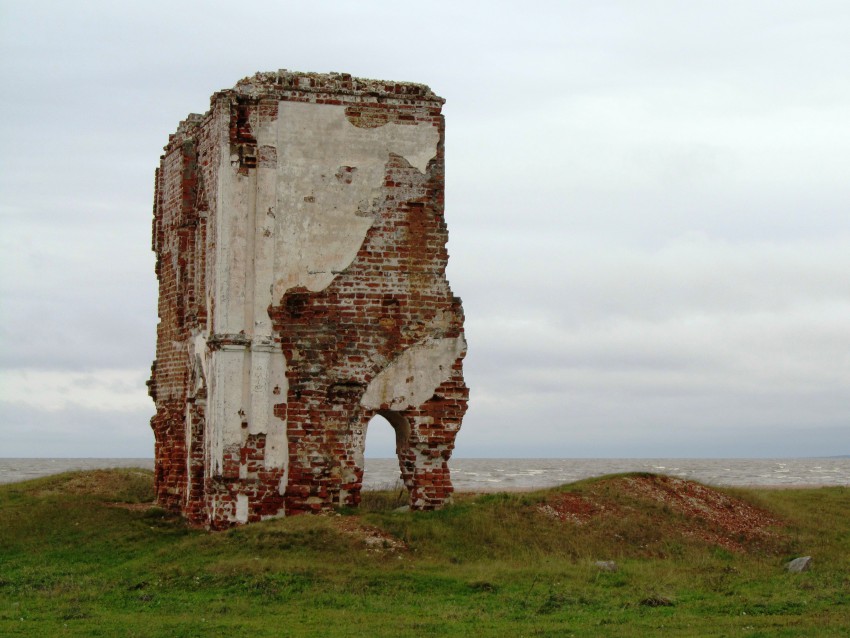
{"type": "Point", "coordinates": [74, 563]}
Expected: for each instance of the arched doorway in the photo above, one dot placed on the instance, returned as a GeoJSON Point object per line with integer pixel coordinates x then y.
{"type": "Point", "coordinates": [380, 439]}
{"type": "Point", "coordinates": [386, 445]}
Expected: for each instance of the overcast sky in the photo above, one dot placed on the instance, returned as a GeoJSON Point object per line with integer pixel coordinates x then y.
{"type": "Point", "coordinates": [647, 203]}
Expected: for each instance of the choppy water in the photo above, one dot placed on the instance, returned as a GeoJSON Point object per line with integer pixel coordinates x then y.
{"type": "Point", "coordinates": [479, 475]}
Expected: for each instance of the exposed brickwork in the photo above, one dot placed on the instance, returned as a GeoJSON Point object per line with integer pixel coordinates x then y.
{"type": "Point", "coordinates": [301, 255]}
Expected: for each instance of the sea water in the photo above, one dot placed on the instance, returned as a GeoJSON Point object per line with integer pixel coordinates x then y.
{"type": "Point", "coordinates": [493, 475]}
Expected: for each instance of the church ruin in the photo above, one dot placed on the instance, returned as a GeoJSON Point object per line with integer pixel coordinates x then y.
{"type": "Point", "coordinates": [301, 254]}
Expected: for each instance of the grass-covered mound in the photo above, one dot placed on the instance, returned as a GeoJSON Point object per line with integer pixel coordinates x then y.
{"type": "Point", "coordinates": [87, 554]}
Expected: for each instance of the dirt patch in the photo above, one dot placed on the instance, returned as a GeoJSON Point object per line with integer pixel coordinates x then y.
{"type": "Point", "coordinates": [688, 509]}
{"type": "Point", "coordinates": [712, 515]}
{"type": "Point", "coordinates": [572, 508]}
{"type": "Point", "coordinates": [375, 539]}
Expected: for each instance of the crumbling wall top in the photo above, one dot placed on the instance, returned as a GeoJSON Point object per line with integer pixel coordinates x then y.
{"type": "Point", "coordinates": [273, 83]}
{"type": "Point", "coordinates": [283, 83]}
{"type": "Point", "coordinates": [186, 128]}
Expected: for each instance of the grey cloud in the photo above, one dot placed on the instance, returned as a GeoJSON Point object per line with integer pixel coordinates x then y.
{"type": "Point", "coordinates": [27, 431]}
{"type": "Point", "coordinates": [609, 424]}
{"type": "Point", "coordinates": [647, 206]}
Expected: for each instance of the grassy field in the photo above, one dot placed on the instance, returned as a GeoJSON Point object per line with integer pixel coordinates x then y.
{"type": "Point", "coordinates": [84, 554]}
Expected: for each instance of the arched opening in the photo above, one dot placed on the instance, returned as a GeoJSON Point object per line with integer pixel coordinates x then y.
{"type": "Point", "coordinates": [387, 434]}
{"type": "Point", "coordinates": [380, 439]}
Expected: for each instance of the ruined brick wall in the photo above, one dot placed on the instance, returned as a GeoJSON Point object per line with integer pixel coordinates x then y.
{"type": "Point", "coordinates": [301, 255]}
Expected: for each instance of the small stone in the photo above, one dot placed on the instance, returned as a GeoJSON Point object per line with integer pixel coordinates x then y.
{"type": "Point", "coordinates": [606, 565]}
{"type": "Point", "coordinates": [801, 564]}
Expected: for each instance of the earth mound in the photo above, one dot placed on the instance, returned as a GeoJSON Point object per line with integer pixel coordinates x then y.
{"type": "Point", "coordinates": [123, 485]}
{"type": "Point", "coordinates": [666, 509]}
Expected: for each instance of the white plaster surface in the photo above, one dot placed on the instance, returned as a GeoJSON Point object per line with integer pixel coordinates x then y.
{"type": "Point", "coordinates": [242, 508]}
{"type": "Point", "coordinates": [322, 221]}
{"type": "Point", "coordinates": [261, 359]}
{"type": "Point", "coordinates": [264, 228]}
{"type": "Point", "coordinates": [297, 222]}
{"type": "Point", "coordinates": [224, 423]}
{"type": "Point", "coordinates": [188, 425]}
{"type": "Point", "coordinates": [411, 379]}
{"type": "Point", "coordinates": [277, 443]}
{"type": "Point", "coordinates": [199, 358]}
{"type": "Point", "coordinates": [231, 250]}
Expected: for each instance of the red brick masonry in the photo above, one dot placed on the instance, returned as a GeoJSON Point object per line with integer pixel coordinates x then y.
{"type": "Point", "coordinates": [393, 296]}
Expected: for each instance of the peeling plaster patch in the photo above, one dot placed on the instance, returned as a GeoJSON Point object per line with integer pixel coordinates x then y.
{"type": "Point", "coordinates": [411, 379]}
{"type": "Point", "coordinates": [262, 380]}
{"type": "Point", "coordinates": [242, 508]}
{"type": "Point", "coordinates": [277, 442]}
{"type": "Point", "coordinates": [224, 421]}
{"type": "Point", "coordinates": [199, 356]}
{"type": "Point", "coordinates": [231, 262]}
{"type": "Point", "coordinates": [319, 231]}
